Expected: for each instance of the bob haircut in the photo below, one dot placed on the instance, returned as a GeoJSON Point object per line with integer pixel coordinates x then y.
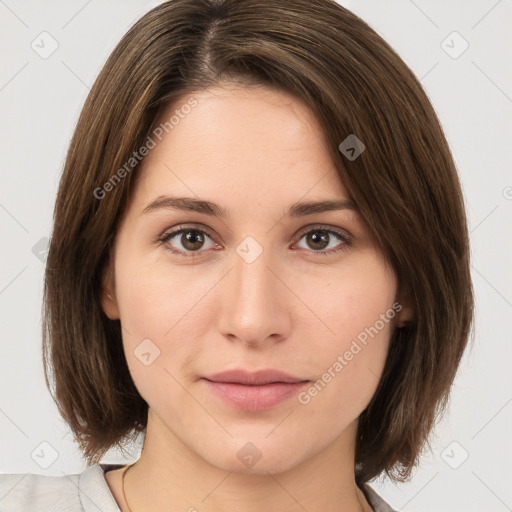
{"type": "Point", "coordinates": [404, 184]}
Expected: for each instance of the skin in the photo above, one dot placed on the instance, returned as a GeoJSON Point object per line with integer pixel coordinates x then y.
{"type": "Point", "coordinates": [254, 152]}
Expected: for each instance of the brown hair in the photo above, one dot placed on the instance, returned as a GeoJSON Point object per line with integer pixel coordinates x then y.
{"type": "Point", "coordinates": [404, 184]}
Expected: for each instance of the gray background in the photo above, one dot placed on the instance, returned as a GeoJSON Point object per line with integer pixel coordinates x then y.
{"type": "Point", "coordinates": [40, 99]}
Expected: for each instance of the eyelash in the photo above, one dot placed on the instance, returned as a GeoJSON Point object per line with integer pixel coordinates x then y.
{"type": "Point", "coordinates": [345, 239]}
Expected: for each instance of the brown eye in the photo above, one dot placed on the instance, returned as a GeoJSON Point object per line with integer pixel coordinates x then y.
{"type": "Point", "coordinates": [323, 241]}
{"type": "Point", "coordinates": [187, 240]}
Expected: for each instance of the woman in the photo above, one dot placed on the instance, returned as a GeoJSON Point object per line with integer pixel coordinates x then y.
{"type": "Point", "coordinates": [259, 260]}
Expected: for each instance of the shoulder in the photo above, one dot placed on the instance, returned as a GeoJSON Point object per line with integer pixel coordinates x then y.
{"type": "Point", "coordinates": [377, 502]}
{"type": "Point", "coordinates": [82, 492]}
{"type": "Point", "coordinates": [28, 492]}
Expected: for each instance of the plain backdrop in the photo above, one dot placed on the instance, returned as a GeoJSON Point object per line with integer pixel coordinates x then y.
{"type": "Point", "coordinates": [461, 52]}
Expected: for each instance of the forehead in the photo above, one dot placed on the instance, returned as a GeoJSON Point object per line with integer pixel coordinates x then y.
{"type": "Point", "coordinates": [248, 143]}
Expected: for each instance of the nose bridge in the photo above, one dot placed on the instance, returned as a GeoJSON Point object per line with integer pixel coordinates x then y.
{"type": "Point", "coordinates": [253, 306]}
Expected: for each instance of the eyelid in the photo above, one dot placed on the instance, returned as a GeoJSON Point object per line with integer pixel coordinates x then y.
{"type": "Point", "coordinates": [345, 236]}
{"type": "Point", "coordinates": [193, 226]}
{"type": "Point", "coordinates": [343, 233]}
{"type": "Point", "coordinates": [168, 234]}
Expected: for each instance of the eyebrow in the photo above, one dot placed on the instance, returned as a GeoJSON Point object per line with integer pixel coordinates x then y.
{"type": "Point", "coordinates": [191, 204]}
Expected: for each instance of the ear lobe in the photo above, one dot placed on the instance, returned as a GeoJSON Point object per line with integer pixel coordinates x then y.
{"type": "Point", "coordinates": [406, 315]}
{"type": "Point", "coordinates": [108, 297]}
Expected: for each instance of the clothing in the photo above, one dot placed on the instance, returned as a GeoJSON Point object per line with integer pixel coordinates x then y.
{"type": "Point", "coordinates": [84, 492]}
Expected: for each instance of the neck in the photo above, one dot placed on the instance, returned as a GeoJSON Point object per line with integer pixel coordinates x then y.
{"type": "Point", "coordinates": [168, 475]}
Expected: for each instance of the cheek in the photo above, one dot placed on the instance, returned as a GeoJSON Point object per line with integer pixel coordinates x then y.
{"type": "Point", "coordinates": [349, 299]}
{"type": "Point", "coordinates": [159, 306]}
{"type": "Point", "coordinates": [357, 314]}
{"type": "Point", "coordinates": [155, 297]}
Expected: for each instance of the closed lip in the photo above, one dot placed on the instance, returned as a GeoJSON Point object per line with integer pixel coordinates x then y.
{"type": "Point", "coordinates": [260, 377]}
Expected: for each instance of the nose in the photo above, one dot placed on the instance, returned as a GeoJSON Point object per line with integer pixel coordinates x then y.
{"type": "Point", "coordinates": [255, 307]}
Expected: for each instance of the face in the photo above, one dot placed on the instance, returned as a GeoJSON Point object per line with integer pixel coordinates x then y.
{"type": "Point", "coordinates": [256, 288]}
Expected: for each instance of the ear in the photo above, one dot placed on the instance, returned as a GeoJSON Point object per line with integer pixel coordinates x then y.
{"type": "Point", "coordinates": [108, 296]}
{"type": "Point", "coordinates": [406, 314]}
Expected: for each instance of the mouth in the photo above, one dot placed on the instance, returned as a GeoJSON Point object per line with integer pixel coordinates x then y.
{"type": "Point", "coordinates": [254, 391]}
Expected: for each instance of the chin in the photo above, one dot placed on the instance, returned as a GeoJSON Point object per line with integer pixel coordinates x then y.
{"type": "Point", "coordinates": [256, 458]}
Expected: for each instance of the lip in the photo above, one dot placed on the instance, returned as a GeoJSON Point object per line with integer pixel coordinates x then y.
{"type": "Point", "coordinates": [242, 376]}
{"type": "Point", "coordinates": [254, 391]}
